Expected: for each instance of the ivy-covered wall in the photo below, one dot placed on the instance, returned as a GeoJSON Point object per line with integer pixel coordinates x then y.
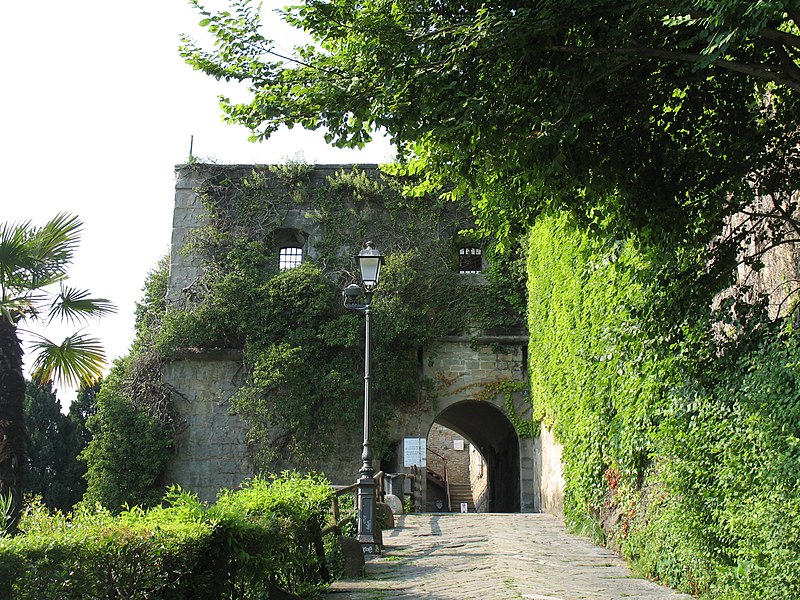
{"type": "Point", "coordinates": [293, 396]}
{"type": "Point", "coordinates": [679, 423]}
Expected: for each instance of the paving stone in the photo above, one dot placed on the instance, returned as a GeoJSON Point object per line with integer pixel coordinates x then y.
{"type": "Point", "coordinates": [493, 557]}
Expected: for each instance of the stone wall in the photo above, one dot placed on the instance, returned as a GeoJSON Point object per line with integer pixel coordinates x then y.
{"type": "Point", "coordinates": [550, 473]}
{"type": "Point", "coordinates": [460, 368]}
{"type": "Point", "coordinates": [212, 449]}
{"type": "Point", "coordinates": [443, 442]}
{"type": "Point", "coordinates": [779, 276]}
{"type": "Point", "coordinates": [479, 480]}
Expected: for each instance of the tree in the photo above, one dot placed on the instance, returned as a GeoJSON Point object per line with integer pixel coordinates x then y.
{"type": "Point", "coordinates": [667, 117]}
{"type": "Point", "coordinates": [32, 260]}
{"type": "Point", "coordinates": [55, 439]}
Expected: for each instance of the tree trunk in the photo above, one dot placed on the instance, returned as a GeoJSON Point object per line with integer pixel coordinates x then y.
{"type": "Point", "coordinates": [12, 421]}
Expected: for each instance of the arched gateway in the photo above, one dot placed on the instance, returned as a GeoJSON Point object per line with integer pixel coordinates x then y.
{"type": "Point", "coordinates": [493, 474]}
{"type": "Point", "coordinates": [472, 384]}
{"type": "Point", "coordinates": [473, 391]}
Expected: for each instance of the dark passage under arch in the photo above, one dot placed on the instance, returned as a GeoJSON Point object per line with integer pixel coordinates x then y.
{"type": "Point", "coordinates": [490, 431]}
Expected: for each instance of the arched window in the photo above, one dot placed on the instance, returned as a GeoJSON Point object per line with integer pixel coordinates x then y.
{"type": "Point", "coordinates": [290, 257]}
{"type": "Point", "coordinates": [470, 260]}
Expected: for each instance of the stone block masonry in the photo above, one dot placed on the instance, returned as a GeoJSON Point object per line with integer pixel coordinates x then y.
{"type": "Point", "coordinates": [212, 448]}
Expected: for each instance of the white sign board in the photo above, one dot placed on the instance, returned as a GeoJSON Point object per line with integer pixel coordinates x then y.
{"type": "Point", "coordinates": [414, 451]}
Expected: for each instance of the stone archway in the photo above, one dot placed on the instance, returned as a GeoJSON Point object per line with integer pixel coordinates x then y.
{"type": "Point", "coordinates": [461, 376]}
{"type": "Point", "coordinates": [491, 434]}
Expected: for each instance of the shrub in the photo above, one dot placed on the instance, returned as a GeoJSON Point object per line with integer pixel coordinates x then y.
{"type": "Point", "coordinates": [254, 538]}
{"type": "Point", "coordinates": [129, 449]}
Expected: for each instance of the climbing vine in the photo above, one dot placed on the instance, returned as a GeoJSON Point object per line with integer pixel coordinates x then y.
{"type": "Point", "coordinates": [303, 352]}
{"type": "Point", "coordinates": [507, 388]}
{"type": "Point", "coordinates": [679, 436]}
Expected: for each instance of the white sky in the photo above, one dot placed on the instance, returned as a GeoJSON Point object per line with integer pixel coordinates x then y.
{"type": "Point", "coordinates": [96, 109]}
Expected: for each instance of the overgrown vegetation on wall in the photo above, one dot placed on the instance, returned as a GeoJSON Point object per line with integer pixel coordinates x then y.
{"type": "Point", "coordinates": [303, 352]}
{"type": "Point", "coordinates": [302, 388]}
{"type": "Point", "coordinates": [680, 429]}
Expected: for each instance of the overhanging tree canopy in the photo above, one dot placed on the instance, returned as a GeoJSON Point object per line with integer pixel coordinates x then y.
{"type": "Point", "coordinates": [664, 115]}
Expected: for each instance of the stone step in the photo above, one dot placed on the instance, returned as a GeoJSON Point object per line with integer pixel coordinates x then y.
{"type": "Point", "coordinates": [461, 492]}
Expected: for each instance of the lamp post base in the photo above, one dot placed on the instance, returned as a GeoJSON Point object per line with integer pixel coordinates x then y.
{"type": "Point", "coordinates": [366, 515]}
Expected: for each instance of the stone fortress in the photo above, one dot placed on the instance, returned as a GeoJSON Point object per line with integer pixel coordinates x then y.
{"type": "Point", "coordinates": [491, 468]}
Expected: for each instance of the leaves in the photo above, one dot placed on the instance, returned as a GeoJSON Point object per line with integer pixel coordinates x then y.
{"type": "Point", "coordinates": [77, 360]}
{"type": "Point", "coordinates": [254, 538]}
{"type": "Point", "coordinates": [73, 305]}
{"type": "Point", "coordinates": [524, 109]}
{"type": "Point", "coordinates": [32, 259]}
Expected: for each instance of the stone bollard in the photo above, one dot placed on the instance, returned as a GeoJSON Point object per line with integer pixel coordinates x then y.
{"type": "Point", "coordinates": [395, 504]}
{"type": "Point", "coordinates": [353, 557]}
{"type": "Point", "coordinates": [384, 515]}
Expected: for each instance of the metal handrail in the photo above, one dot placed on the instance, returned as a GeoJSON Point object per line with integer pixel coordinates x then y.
{"type": "Point", "coordinates": [446, 479]}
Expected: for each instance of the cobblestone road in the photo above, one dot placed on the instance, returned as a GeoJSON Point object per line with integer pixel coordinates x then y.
{"type": "Point", "coordinates": [492, 557]}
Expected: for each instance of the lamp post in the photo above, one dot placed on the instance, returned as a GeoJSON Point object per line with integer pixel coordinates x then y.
{"type": "Point", "coordinates": [369, 263]}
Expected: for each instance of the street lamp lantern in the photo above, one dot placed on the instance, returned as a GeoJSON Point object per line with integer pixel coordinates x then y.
{"type": "Point", "coordinates": [369, 263]}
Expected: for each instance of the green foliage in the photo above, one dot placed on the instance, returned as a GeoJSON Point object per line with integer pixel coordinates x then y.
{"type": "Point", "coordinates": [297, 507]}
{"type": "Point", "coordinates": [302, 350]}
{"type": "Point", "coordinates": [593, 379]}
{"type": "Point", "coordinates": [6, 513]}
{"type": "Point", "coordinates": [251, 540]}
{"type": "Point", "coordinates": [129, 448]}
{"type": "Point", "coordinates": [32, 260]}
{"type": "Point", "coordinates": [508, 389]}
{"type": "Point", "coordinates": [728, 456]}
{"type": "Point", "coordinates": [128, 426]}
{"type": "Point", "coordinates": [54, 443]}
{"type": "Point", "coordinates": [683, 447]}
{"type": "Point", "coordinates": [150, 310]}
{"type": "Point", "coordinates": [664, 114]}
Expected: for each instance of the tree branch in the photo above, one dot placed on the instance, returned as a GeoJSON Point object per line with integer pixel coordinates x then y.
{"type": "Point", "coordinates": [786, 60]}
{"type": "Point", "coordinates": [768, 72]}
{"type": "Point", "coordinates": [785, 216]}
{"type": "Point", "coordinates": [782, 37]}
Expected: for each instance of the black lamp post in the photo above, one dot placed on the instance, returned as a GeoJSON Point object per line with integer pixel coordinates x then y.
{"type": "Point", "coordinates": [369, 262]}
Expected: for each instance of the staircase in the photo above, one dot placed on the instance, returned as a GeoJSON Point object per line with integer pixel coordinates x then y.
{"type": "Point", "coordinates": [436, 479]}
{"type": "Point", "coordinates": [461, 492]}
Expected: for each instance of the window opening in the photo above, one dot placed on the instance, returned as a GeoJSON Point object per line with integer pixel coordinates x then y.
{"type": "Point", "coordinates": [290, 257]}
{"type": "Point", "coordinates": [470, 260]}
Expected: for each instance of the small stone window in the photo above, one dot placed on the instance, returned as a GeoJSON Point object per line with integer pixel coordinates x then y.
{"type": "Point", "coordinates": [290, 257]}
{"type": "Point", "coordinates": [470, 261]}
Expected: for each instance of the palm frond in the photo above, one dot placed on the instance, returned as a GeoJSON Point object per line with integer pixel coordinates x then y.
{"type": "Point", "coordinates": [72, 304]}
{"type": "Point", "coordinates": [53, 247]}
{"type": "Point", "coordinates": [59, 237]}
{"type": "Point", "coordinates": [14, 309]}
{"type": "Point", "coordinates": [78, 360]}
{"type": "Point", "coordinates": [34, 257]}
{"type": "Point", "coordinates": [14, 257]}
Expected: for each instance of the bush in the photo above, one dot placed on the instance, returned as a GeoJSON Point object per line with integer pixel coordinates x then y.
{"type": "Point", "coordinates": [129, 450]}
{"type": "Point", "coordinates": [257, 537]}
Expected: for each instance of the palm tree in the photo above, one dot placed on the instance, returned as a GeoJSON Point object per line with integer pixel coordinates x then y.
{"type": "Point", "coordinates": [32, 260]}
